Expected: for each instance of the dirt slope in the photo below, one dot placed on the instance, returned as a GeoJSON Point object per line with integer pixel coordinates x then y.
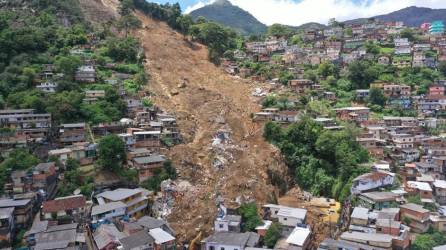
{"type": "Point", "coordinates": [211, 101]}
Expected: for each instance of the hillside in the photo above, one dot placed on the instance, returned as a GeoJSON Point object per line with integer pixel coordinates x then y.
{"type": "Point", "coordinates": [224, 12]}
{"type": "Point", "coordinates": [211, 102]}
{"type": "Point", "coordinates": [411, 16]}
{"type": "Point", "coordinates": [415, 16]}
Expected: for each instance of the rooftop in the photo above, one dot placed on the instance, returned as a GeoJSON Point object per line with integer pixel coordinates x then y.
{"type": "Point", "coordinates": [119, 194]}
{"type": "Point", "coordinates": [360, 213]}
{"type": "Point", "coordinates": [63, 204]}
{"type": "Point", "coordinates": [233, 239]}
{"type": "Point", "coordinates": [103, 208]}
{"type": "Point", "coordinates": [424, 186]}
{"type": "Point", "coordinates": [160, 236]}
{"type": "Point", "coordinates": [298, 236]}
{"type": "Point", "coordinates": [414, 207]}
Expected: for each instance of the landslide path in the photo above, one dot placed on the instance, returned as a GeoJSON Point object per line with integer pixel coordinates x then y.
{"type": "Point", "coordinates": [210, 101]}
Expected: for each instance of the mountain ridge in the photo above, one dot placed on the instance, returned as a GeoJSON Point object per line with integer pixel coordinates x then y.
{"type": "Point", "coordinates": [224, 12]}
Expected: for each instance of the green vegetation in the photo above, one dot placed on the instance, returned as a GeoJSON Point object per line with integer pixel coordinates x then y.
{"type": "Point", "coordinates": [429, 240]}
{"type": "Point", "coordinates": [73, 180]}
{"type": "Point", "coordinates": [322, 161]}
{"type": "Point", "coordinates": [111, 150]}
{"type": "Point", "coordinates": [272, 235]}
{"type": "Point", "coordinates": [250, 217]}
{"type": "Point", "coordinates": [18, 159]}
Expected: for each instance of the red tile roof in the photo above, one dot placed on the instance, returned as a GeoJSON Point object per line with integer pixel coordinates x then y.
{"type": "Point", "coordinates": [63, 204]}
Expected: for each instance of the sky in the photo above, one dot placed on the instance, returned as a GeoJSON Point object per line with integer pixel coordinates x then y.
{"type": "Point", "coordinates": [297, 12]}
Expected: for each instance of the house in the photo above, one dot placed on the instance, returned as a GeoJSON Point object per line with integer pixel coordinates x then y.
{"type": "Point", "coordinates": [148, 223]}
{"type": "Point", "coordinates": [44, 177]}
{"type": "Point", "coordinates": [139, 240]}
{"type": "Point", "coordinates": [290, 217]}
{"type": "Point", "coordinates": [402, 141]}
{"type": "Point", "coordinates": [417, 217]}
{"type": "Point", "coordinates": [92, 96]}
{"type": "Point", "coordinates": [135, 200]}
{"type": "Point", "coordinates": [70, 133]}
{"type": "Point", "coordinates": [82, 152]}
{"type": "Point", "coordinates": [439, 221]}
{"type": "Point", "coordinates": [108, 211]}
{"type": "Point", "coordinates": [357, 114]}
{"type": "Point", "coordinates": [230, 240]}
{"type": "Point", "coordinates": [300, 86]}
{"type": "Point", "coordinates": [286, 116]}
{"type": "Point", "coordinates": [85, 73]}
{"type": "Point", "coordinates": [436, 28]}
{"type": "Point", "coordinates": [402, 46]}
{"type": "Point", "coordinates": [163, 240]}
{"type": "Point", "coordinates": [299, 238]}
{"type": "Point", "coordinates": [7, 226]}
{"type": "Point", "coordinates": [47, 87]}
{"type": "Point", "coordinates": [331, 244]}
{"type": "Point", "coordinates": [37, 227]}
{"type": "Point", "coordinates": [421, 188]}
{"type": "Point", "coordinates": [381, 241]}
{"type": "Point", "coordinates": [107, 237]}
{"type": "Point", "coordinates": [370, 181]}
{"type": "Point", "coordinates": [396, 91]}
{"type": "Point", "coordinates": [362, 94]}
{"type": "Point", "coordinates": [147, 139]}
{"type": "Point", "coordinates": [147, 165]}
{"type": "Point", "coordinates": [227, 223]}
{"type": "Point", "coordinates": [431, 103]}
{"type": "Point", "coordinates": [22, 211]}
{"type": "Point", "coordinates": [379, 200]}
{"type": "Point", "coordinates": [437, 90]}
{"type": "Point", "coordinates": [360, 216]}
{"type": "Point", "coordinates": [27, 122]}
{"type": "Point", "coordinates": [67, 236]}
{"type": "Point", "coordinates": [63, 209]}
{"type": "Point", "coordinates": [262, 229]}
{"type": "Point", "coordinates": [440, 191]}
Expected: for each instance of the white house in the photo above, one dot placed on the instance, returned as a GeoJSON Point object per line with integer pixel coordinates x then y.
{"type": "Point", "coordinates": [372, 181]}
{"type": "Point", "coordinates": [230, 241]}
{"type": "Point", "coordinates": [299, 238]}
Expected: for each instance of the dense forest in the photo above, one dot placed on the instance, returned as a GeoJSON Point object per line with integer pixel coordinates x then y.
{"type": "Point", "coordinates": [321, 161]}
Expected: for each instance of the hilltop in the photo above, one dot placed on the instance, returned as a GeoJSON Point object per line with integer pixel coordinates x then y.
{"type": "Point", "coordinates": [224, 12]}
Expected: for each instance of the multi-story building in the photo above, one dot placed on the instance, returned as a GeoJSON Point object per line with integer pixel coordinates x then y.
{"type": "Point", "coordinates": [135, 200]}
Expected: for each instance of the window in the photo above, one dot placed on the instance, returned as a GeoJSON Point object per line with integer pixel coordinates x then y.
{"type": "Point", "coordinates": [222, 248]}
{"type": "Point", "coordinates": [285, 218]}
{"type": "Point", "coordinates": [220, 225]}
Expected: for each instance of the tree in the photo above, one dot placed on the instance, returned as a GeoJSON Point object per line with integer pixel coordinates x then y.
{"type": "Point", "coordinates": [272, 235]}
{"type": "Point", "coordinates": [361, 74]}
{"type": "Point", "coordinates": [19, 159]}
{"type": "Point", "coordinates": [376, 97]}
{"type": "Point", "coordinates": [250, 218]}
{"type": "Point", "coordinates": [279, 30]}
{"type": "Point", "coordinates": [442, 67]}
{"type": "Point", "coordinates": [409, 34]}
{"type": "Point", "coordinates": [112, 154]}
{"type": "Point", "coordinates": [68, 65]}
{"type": "Point", "coordinates": [184, 23]}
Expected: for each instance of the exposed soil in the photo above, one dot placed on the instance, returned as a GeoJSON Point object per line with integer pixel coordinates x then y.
{"type": "Point", "coordinates": [210, 101]}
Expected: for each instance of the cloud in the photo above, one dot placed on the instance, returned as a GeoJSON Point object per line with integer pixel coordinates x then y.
{"type": "Point", "coordinates": [198, 5]}
{"type": "Point", "coordinates": [293, 12]}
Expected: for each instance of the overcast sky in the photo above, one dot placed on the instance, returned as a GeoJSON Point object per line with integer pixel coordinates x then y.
{"type": "Point", "coordinates": [296, 12]}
